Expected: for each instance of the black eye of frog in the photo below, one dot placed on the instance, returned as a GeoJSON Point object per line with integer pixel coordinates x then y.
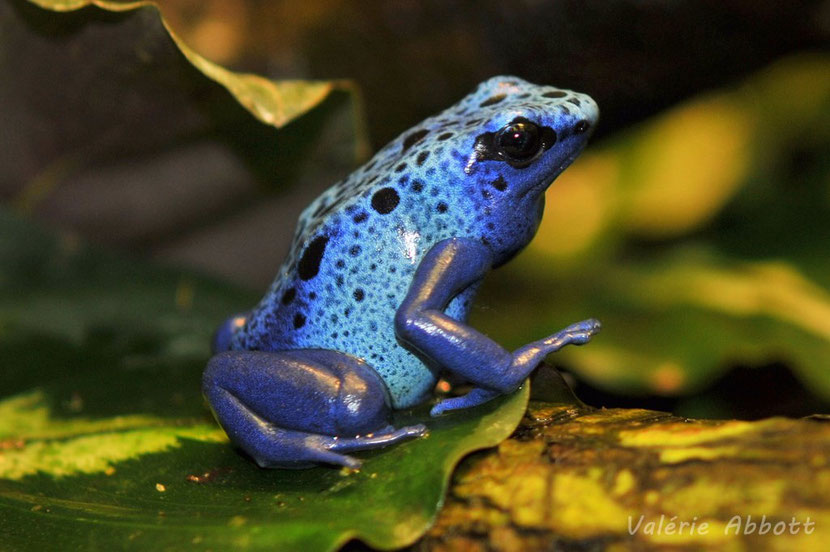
{"type": "Point", "coordinates": [519, 140]}
{"type": "Point", "coordinates": [518, 144]}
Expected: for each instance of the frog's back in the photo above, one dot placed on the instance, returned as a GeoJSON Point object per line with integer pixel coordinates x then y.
{"type": "Point", "coordinates": [356, 247]}
{"type": "Point", "coordinates": [350, 265]}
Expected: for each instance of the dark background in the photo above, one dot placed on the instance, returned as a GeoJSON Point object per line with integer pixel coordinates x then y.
{"type": "Point", "coordinates": [190, 203]}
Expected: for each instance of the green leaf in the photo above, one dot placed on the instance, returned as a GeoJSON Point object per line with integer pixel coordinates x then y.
{"type": "Point", "coordinates": [169, 483]}
{"type": "Point", "coordinates": [105, 442]}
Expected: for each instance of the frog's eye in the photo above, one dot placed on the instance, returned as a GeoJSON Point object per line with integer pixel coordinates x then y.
{"type": "Point", "coordinates": [519, 144]}
{"type": "Point", "coordinates": [519, 141]}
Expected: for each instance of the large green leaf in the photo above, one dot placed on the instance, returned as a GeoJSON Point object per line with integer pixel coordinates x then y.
{"type": "Point", "coordinates": [105, 442]}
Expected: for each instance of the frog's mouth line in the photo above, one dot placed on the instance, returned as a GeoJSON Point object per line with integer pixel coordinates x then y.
{"type": "Point", "coordinates": [545, 184]}
{"type": "Point", "coordinates": [537, 188]}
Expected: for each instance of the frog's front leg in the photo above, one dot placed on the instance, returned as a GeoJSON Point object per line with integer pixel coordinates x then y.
{"type": "Point", "coordinates": [297, 408]}
{"type": "Point", "coordinates": [448, 268]}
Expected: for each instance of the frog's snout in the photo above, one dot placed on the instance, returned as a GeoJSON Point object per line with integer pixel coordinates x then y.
{"type": "Point", "coordinates": [589, 109]}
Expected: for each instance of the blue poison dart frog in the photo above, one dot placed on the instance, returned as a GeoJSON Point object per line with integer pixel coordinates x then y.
{"type": "Point", "coordinates": [370, 305]}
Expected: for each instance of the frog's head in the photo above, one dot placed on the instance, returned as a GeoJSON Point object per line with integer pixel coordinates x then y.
{"type": "Point", "coordinates": [519, 138]}
{"type": "Point", "coordinates": [481, 167]}
{"type": "Point", "coordinates": [528, 134]}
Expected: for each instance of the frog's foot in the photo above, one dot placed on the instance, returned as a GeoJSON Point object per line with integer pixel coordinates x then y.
{"type": "Point", "coordinates": [474, 397]}
{"type": "Point", "coordinates": [298, 408]}
{"type": "Point", "coordinates": [524, 361]}
{"type": "Point", "coordinates": [329, 449]}
{"type": "Point", "coordinates": [579, 333]}
{"type": "Point", "coordinates": [274, 447]}
{"type": "Point", "coordinates": [383, 438]}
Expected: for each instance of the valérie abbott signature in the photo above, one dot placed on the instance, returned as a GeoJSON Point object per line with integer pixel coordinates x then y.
{"type": "Point", "coordinates": [738, 525]}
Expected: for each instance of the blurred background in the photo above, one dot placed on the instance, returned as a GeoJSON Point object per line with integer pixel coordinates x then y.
{"type": "Point", "coordinates": [696, 226]}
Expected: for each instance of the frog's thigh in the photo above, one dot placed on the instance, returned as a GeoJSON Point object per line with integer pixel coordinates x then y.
{"type": "Point", "coordinates": [297, 408]}
{"type": "Point", "coordinates": [309, 390]}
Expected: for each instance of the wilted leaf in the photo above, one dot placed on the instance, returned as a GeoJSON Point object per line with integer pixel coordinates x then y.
{"type": "Point", "coordinates": [581, 478]}
{"type": "Point", "coordinates": [114, 128]}
{"type": "Point", "coordinates": [105, 442]}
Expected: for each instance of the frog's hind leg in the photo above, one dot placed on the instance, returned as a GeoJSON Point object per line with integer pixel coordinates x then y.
{"type": "Point", "coordinates": [298, 408]}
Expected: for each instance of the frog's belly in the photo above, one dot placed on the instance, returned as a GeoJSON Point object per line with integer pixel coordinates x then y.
{"type": "Point", "coordinates": [409, 381]}
{"type": "Point", "coordinates": [367, 335]}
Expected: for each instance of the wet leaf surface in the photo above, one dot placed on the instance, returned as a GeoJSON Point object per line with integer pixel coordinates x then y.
{"type": "Point", "coordinates": [137, 481]}
{"type": "Point", "coordinates": [105, 442]}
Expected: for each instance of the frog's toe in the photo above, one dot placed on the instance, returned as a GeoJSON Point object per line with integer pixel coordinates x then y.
{"type": "Point", "coordinates": [475, 397]}
{"type": "Point", "coordinates": [579, 333]}
{"type": "Point", "coordinates": [584, 331]}
{"type": "Point", "coordinates": [580, 338]}
{"type": "Point", "coordinates": [590, 327]}
{"type": "Point", "coordinates": [330, 457]}
{"type": "Point", "coordinates": [307, 453]}
{"type": "Point", "coordinates": [411, 432]}
{"type": "Point", "coordinates": [406, 432]}
{"type": "Point", "coordinates": [383, 438]}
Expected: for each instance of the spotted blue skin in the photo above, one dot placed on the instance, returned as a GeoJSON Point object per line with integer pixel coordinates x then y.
{"type": "Point", "coordinates": [410, 233]}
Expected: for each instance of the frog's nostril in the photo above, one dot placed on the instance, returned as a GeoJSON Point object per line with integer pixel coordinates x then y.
{"type": "Point", "coordinates": [581, 126]}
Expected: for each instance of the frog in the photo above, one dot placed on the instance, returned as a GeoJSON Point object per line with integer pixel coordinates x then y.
{"type": "Point", "coordinates": [369, 308]}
